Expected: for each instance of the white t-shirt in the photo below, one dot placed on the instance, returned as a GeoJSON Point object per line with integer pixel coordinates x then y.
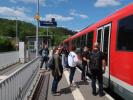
{"type": "Point", "coordinates": [72, 59]}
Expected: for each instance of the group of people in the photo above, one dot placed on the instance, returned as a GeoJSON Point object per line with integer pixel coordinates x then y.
{"type": "Point", "coordinates": [60, 59]}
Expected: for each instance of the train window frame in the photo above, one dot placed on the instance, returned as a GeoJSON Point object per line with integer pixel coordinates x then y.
{"type": "Point", "coordinates": [117, 35]}
{"type": "Point", "coordinates": [103, 27]}
{"type": "Point", "coordinates": [101, 38]}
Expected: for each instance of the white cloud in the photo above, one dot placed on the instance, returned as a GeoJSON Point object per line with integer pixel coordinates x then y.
{"type": "Point", "coordinates": [42, 2]}
{"type": "Point", "coordinates": [22, 9]}
{"type": "Point", "coordinates": [74, 13]}
{"type": "Point", "coordinates": [105, 3]}
{"type": "Point", "coordinates": [58, 17]}
{"type": "Point", "coordinates": [77, 30]}
{"type": "Point", "coordinates": [12, 13]}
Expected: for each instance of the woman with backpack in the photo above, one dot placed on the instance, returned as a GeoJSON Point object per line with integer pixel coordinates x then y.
{"type": "Point", "coordinates": [57, 71]}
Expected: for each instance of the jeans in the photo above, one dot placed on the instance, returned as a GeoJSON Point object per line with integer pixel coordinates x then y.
{"type": "Point", "coordinates": [63, 61]}
{"type": "Point", "coordinates": [72, 72]}
{"type": "Point", "coordinates": [55, 84]}
{"type": "Point", "coordinates": [96, 74]}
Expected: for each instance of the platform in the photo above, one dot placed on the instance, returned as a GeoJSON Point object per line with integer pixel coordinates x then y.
{"type": "Point", "coordinates": [83, 90]}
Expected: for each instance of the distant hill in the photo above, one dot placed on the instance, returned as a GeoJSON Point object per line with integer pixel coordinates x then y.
{"type": "Point", "coordinates": [58, 34]}
{"type": "Point", "coordinates": [8, 29]}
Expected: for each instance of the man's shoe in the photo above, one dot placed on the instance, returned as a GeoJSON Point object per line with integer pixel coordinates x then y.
{"type": "Point", "coordinates": [94, 93]}
{"type": "Point", "coordinates": [56, 94]}
{"type": "Point", "coordinates": [101, 94]}
{"type": "Point", "coordinates": [73, 85]}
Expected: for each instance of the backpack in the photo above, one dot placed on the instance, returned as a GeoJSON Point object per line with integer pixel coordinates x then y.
{"type": "Point", "coordinates": [51, 63]}
{"type": "Point", "coordinates": [96, 60]}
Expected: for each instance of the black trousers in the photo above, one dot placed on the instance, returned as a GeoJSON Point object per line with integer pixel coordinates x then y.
{"type": "Point", "coordinates": [72, 72]}
{"type": "Point", "coordinates": [97, 74]}
{"type": "Point", "coordinates": [83, 74]}
{"type": "Point", "coordinates": [43, 59]}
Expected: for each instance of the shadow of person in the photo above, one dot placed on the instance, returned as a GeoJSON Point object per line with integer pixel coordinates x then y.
{"type": "Point", "coordinates": [82, 83]}
{"type": "Point", "coordinates": [66, 90]}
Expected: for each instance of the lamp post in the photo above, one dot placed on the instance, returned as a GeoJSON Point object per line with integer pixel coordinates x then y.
{"type": "Point", "coordinates": [47, 37]}
{"type": "Point", "coordinates": [37, 17]}
{"type": "Point", "coordinates": [16, 34]}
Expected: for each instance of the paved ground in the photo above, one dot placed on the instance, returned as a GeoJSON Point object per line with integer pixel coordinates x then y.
{"type": "Point", "coordinates": [81, 92]}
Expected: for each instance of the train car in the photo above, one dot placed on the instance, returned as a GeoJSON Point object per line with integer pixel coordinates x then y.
{"type": "Point", "coordinates": [115, 34]}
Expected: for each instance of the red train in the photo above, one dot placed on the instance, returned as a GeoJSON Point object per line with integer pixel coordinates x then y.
{"type": "Point", "coordinates": [115, 34]}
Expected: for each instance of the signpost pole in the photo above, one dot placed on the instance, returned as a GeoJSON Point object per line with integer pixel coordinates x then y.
{"type": "Point", "coordinates": [47, 37]}
{"type": "Point", "coordinates": [37, 28]}
{"type": "Point", "coordinates": [17, 42]}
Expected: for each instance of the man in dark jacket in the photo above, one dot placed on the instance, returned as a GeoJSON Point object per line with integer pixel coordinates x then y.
{"type": "Point", "coordinates": [85, 60]}
{"type": "Point", "coordinates": [97, 68]}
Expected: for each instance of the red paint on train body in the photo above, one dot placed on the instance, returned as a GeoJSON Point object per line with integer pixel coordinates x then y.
{"type": "Point", "coordinates": [120, 61]}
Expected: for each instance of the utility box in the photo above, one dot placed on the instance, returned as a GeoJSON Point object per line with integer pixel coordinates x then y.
{"type": "Point", "coordinates": [22, 52]}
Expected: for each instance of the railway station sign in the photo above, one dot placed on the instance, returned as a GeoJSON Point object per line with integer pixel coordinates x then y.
{"type": "Point", "coordinates": [51, 23]}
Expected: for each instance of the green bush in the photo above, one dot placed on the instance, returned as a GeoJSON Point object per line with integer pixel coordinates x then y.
{"type": "Point", "coordinates": [5, 44]}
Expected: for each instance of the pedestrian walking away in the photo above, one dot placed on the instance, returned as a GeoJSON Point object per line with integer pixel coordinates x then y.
{"type": "Point", "coordinates": [72, 62]}
{"type": "Point", "coordinates": [44, 52]}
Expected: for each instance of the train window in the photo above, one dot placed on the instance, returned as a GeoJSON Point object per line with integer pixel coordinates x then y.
{"type": "Point", "coordinates": [75, 42]}
{"type": "Point", "coordinates": [125, 34]}
{"type": "Point", "coordinates": [78, 42]}
{"type": "Point", "coordinates": [106, 42]}
{"type": "Point", "coordinates": [86, 39]}
{"type": "Point", "coordinates": [106, 38]}
{"type": "Point", "coordinates": [90, 39]}
{"type": "Point", "coordinates": [83, 40]}
{"type": "Point", "coordinates": [99, 36]}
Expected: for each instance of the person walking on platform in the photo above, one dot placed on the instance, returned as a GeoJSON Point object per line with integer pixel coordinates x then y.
{"type": "Point", "coordinates": [44, 52]}
{"type": "Point", "coordinates": [97, 68]}
{"type": "Point", "coordinates": [85, 61]}
{"type": "Point", "coordinates": [64, 54]}
{"type": "Point", "coordinates": [72, 62]}
{"type": "Point", "coordinates": [57, 71]}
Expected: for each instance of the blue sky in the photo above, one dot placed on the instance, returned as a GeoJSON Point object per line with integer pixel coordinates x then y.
{"type": "Point", "coordinates": [72, 14]}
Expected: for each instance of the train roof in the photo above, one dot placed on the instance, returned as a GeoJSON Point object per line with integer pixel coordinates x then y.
{"type": "Point", "coordinates": [120, 12]}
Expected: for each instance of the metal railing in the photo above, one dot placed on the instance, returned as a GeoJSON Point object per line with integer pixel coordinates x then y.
{"type": "Point", "coordinates": [15, 86]}
{"type": "Point", "coordinates": [8, 58]}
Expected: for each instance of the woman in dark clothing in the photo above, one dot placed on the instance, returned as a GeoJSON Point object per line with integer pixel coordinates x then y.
{"type": "Point", "coordinates": [57, 71]}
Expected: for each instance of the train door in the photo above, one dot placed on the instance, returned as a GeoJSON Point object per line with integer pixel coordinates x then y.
{"type": "Point", "coordinates": [103, 37]}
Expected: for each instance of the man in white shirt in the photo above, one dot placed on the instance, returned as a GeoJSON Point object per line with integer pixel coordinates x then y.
{"type": "Point", "coordinates": [72, 62]}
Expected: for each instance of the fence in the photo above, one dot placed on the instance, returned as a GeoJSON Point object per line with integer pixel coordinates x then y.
{"type": "Point", "coordinates": [15, 86]}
